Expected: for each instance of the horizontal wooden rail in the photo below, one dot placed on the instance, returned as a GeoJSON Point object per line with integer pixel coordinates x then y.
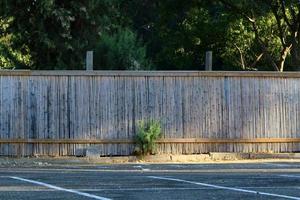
{"type": "Point", "coordinates": [161, 141]}
{"type": "Point", "coordinates": [65, 141]}
{"type": "Point", "coordinates": [150, 73]}
{"type": "Point", "coordinates": [230, 141]}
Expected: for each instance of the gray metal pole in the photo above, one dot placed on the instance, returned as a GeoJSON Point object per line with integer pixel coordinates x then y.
{"type": "Point", "coordinates": [89, 60]}
{"type": "Point", "coordinates": [208, 61]}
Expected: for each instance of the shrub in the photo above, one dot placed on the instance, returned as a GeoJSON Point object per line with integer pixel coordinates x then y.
{"type": "Point", "coordinates": [121, 50]}
{"type": "Point", "coordinates": [147, 134]}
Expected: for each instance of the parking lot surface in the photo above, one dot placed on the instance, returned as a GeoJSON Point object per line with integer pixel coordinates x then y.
{"type": "Point", "coordinates": [275, 180]}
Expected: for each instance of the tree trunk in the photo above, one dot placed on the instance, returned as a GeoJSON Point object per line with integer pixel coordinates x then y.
{"type": "Point", "coordinates": [242, 60]}
{"type": "Point", "coordinates": [283, 56]}
{"type": "Point", "coordinates": [253, 65]}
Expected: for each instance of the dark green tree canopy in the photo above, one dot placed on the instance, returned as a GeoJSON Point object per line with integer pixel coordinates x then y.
{"type": "Point", "coordinates": [56, 33]}
{"type": "Point", "coordinates": [150, 34]}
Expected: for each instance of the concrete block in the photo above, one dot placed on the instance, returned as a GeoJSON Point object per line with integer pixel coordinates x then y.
{"type": "Point", "coordinates": [93, 152]}
{"type": "Point", "coordinates": [80, 152]}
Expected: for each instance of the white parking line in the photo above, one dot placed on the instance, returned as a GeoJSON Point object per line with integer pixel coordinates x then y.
{"type": "Point", "coordinates": [280, 165]}
{"type": "Point", "coordinates": [59, 188]}
{"type": "Point", "coordinates": [225, 188]}
{"type": "Point", "coordinates": [290, 176]}
{"type": "Point", "coordinates": [143, 189]}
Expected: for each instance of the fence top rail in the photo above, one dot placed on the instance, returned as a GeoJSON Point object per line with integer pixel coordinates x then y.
{"type": "Point", "coordinates": [149, 73]}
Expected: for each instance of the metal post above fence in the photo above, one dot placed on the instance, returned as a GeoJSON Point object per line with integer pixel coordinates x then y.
{"type": "Point", "coordinates": [89, 60]}
{"type": "Point", "coordinates": [208, 61]}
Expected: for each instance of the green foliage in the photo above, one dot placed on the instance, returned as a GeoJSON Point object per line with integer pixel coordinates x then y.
{"type": "Point", "coordinates": [57, 33]}
{"type": "Point", "coordinates": [183, 41]}
{"type": "Point", "coordinates": [147, 134]}
{"type": "Point", "coordinates": [273, 24]}
{"type": "Point", "coordinates": [143, 34]}
{"type": "Point", "coordinates": [121, 50]}
{"type": "Point", "coordinates": [9, 57]}
{"type": "Point", "coordinates": [238, 37]}
{"type": "Point", "coordinates": [241, 41]}
{"type": "Point", "coordinates": [178, 33]}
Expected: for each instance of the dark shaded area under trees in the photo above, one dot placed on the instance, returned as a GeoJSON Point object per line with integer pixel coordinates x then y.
{"type": "Point", "coordinates": [150, 34]}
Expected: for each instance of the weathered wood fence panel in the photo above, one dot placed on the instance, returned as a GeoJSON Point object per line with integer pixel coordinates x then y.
{"type": "Point", "coordinates": [56, 112]}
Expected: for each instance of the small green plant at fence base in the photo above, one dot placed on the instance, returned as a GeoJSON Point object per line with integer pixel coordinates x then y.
{"type": "Point", "coordinates": [147, 134]}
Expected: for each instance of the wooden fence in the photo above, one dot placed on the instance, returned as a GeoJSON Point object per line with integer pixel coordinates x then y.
{"type": "Point", "coordinates": [57, 112]}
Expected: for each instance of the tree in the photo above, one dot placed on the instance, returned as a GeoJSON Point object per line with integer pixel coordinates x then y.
{"type": "Point", "coordinates": [178, 33]}
{"type": "Point", "coordinates": [242, 49]}
{"type": "Point", "coordinates": [56, 33]}
{"type": "Point", "coordinates": [121, 50]}
{"type": "Point", "coordinates": [173, 34]}
{"type": "Point", "coordinates": [284, 23]}
{"type": "Point", "coordinates": [9, 57]}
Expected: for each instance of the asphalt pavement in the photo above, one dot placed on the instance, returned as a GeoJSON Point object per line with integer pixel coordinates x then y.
{"type": "Point", "coordinates": [276, 180]}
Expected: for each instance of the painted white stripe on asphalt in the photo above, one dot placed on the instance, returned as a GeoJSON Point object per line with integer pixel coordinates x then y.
{"type": "Point", "coordinates": [225, 188]}
{"type": "Point", "coordinates": [290, 176]}
{"type": "Point", "coordinates": [59, 188]}
{"type": "Point", "coordinates": [280, 165]}
{"type": "Point", "coordinates": [143, 189]}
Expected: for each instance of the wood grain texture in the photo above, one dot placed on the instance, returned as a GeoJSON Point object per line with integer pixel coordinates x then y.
{"type": "Point", "coordinates": [56, 112]}
{"type": "Point", "coordinates": [160, 141]}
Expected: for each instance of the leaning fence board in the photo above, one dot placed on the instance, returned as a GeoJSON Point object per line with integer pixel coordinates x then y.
{"type": "Point", "coordinates": [57, 112]}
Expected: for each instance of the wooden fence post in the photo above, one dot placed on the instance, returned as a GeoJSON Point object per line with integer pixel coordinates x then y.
{"type": "Point", "coordinates": [208, 61]}
{"type": "Point", "coordinates": [89, 60]}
